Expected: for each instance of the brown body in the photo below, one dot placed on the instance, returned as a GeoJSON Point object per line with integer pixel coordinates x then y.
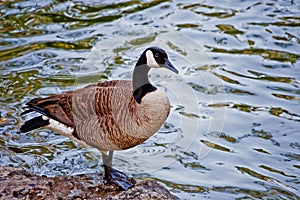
{"type": "Point", "coordinates": [106, 115]}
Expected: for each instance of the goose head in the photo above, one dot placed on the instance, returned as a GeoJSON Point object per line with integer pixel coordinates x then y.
{"type": "Point", "coordinates": [157, 58]}
{"type": "Point", "coordinates": [152, 57]}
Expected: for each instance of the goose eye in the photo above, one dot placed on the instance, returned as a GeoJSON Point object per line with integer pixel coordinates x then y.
{"type": "Point", "coordinates": [156, 55]}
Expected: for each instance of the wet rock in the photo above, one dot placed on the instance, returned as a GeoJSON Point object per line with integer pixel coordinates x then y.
{"type": "Point", "coordinates": [17, 183]}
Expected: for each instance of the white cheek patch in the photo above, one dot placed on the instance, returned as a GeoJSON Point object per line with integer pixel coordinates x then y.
{"type": "Point", "coordinates": [151, 62]}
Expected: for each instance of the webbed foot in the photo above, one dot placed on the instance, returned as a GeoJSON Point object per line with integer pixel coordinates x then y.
{"type": "Point", "coordinates": [118, 178]}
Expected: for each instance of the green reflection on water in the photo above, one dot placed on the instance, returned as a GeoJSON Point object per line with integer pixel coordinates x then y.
{"type": "Point", "coordinates": [254, 60]}
{"type": "Point", "coordinates": [215, 146]}
{"type": "Point", "coordinates": [15, 85]}
{"type": "Point", "coordinates": [270, 54]}
{"type": "Point", "coordinates": [229, 29]}
{"type": "Point", "coordinates": [28, 48]}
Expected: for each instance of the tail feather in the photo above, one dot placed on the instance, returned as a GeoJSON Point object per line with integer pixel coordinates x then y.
{"type": "Point", "coordinates": [36, 108]}
{"type": "Point", "coordinates": [56, 107]}
{"type": "Point", "coordinates": [34, 123]}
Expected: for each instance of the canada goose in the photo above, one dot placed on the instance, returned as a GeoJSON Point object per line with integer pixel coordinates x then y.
{"type": "Point", "coordinates": [111, 115]}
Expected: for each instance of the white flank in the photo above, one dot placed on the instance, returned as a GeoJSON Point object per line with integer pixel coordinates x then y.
{"type": "Point", "coordinates": [59, 127]}
{"type": "Point", "coordinates": [45, 118]}
{"type": "Point", "coordinates": [151, 62]}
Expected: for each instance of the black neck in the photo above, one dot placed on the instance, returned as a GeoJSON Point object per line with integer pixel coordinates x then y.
{"type": "Point", "coordinates": [140, 80]}
{"type": "Point", "coordinates": [139, 93]}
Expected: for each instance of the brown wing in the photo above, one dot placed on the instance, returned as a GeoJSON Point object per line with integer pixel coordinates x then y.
{"type": "Point", "coordinates": [57, 107]}
{"type": "Point", "coordinates": [60, 107]}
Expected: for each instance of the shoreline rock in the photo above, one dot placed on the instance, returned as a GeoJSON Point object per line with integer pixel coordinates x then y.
{"type": "Point", "coordinates": [16, 183]}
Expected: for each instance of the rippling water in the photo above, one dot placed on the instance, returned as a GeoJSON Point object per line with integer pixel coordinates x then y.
{"type": "Point", "coordinates": [234, 127]}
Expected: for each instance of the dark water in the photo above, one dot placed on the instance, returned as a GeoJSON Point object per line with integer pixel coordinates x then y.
{"type": "Point", "coordinates": [234, 127]}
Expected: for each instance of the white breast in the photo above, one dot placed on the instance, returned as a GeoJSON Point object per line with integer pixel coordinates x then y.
{"type": "Point", "coordinates": [156, 107]}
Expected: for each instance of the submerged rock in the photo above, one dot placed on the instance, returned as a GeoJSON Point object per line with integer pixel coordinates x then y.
{"type": "Point", "coordinates": [17, 183]}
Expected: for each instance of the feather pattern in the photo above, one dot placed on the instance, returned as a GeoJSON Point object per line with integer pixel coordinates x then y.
{"type": "Point", "coordinates": [106, 115]}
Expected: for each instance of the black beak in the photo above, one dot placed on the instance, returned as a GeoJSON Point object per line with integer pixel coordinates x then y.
{"type": "Point", "coordinates": [169, 65]}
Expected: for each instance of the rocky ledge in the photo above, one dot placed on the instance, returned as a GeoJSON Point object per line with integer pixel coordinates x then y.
{"type": "Point", "coordinates": [17, 183]}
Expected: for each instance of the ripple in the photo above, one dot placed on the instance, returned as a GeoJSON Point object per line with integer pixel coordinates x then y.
{"type": "Point", "coordinates": [229, 29]}
{"type": "Point", "coordinates": [20, 51]}
{"type": "Point", "coordinates": [210, 11]}
{"type": "Point", "coordinates": [222, 135]}
{"type": "Point", "coordinates": [262, 151]}
{"type": "Point", "coordinates": [150, 149]}
{"type": "Point", "coordinates": [15, 85]}
{"type": "Point", "coordinates": [26, 49]}
{"type": "Point", "coordinates": [253, 173]}
{"type": "Point", "coordinates": [276, 171]}
{"type": "Point", "coordinates": [176, 187]}
{"type": "Point", "coordinates": [143, 40]}
{"type": "Point", "coordinates": [260, 194]}
{"type": "Point", "coordinates": [278, 185]}
{"type": "Point", "coordinates": [216, 146]}
{"type": "Point", "coordinates": [290, 23]}
{"type": "Point", "coordinates": [275, 111]}
{"type": "Point", "coordinates": [215, 89]}
{"type": "Point", "coordinates": [35, 150]}
{"type": "Point", "coordinates": [262, 76]}
{"type": "Point", "coordinates": [6, 43]}
{"type": "Point", "coordinates": [292, 156]}
{"type": "Point", "coordinates": [190, 160]}
{"type": "Point", "coordinates": [286, 97]}
{"type": "Point", "coordinates": [246, 52]}
{"type": "Point", "coordinates": [270, 54]}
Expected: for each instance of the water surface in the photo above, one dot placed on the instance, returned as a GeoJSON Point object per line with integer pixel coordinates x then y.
{"type": "Point", "coordinates": [233, 131]}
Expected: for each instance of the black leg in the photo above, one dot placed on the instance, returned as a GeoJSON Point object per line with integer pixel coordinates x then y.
{"type": "Point", "coordinates": [114, 176]}
{"type": "Point", "coordinates": [107, 158]}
